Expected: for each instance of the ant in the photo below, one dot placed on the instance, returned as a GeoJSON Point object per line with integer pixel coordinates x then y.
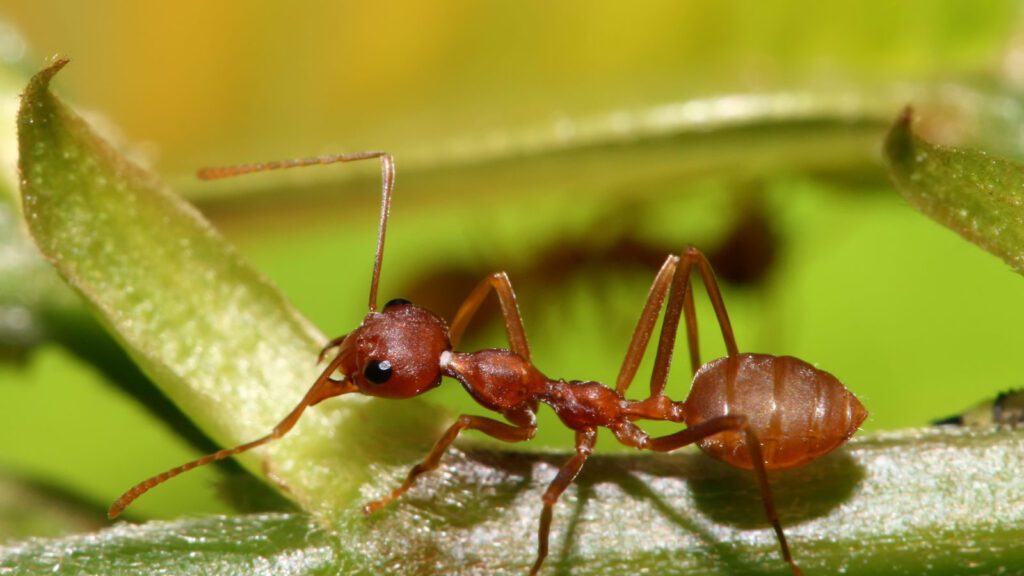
{"type": "Point", "coordinates": [752, 411]}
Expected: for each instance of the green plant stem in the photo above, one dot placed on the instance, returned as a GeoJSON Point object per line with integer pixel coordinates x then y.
{"type": "Point", "coordinates": [919, 502]}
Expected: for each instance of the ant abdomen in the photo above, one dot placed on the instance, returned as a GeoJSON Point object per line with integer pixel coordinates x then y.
{"type": "Point", "coordinates": [799, 412]}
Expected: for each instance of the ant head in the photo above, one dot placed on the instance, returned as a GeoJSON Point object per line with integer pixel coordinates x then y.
{"type": "Point", "coordinates": [395, 353]}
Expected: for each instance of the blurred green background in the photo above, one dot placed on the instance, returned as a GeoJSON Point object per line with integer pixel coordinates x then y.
{"type": "Point", "coordinates": [574, 145]}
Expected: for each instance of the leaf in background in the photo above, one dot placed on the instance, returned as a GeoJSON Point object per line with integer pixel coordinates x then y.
{"type": "Point", "coordinates": [977, 195]}
{"type": "Point", "coordinates": [33, 509]}
{"type": "Point", "coordinates": [898, 504]}
{"type": "Point", "coordinates": [208, 329]}
{"type": "Point", "coordinates": [28, 287]}
{"type": "Point", "coordinates": [434, 74]}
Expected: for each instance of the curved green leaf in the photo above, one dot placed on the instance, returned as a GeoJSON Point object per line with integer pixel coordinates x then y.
{"type": "Point", "coordinates": [977, 195]}
{"type": "Point", "coordinates": [208, 329]}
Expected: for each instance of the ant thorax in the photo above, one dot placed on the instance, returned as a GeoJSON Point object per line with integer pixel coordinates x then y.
{"type": "Point", "coordinates": [497, 379]}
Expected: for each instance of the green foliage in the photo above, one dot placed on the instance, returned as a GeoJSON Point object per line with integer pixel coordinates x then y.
{"type": "Point", "coordinates": [235, 355]}
{"type": "Point", "coordinates": [976, 194]}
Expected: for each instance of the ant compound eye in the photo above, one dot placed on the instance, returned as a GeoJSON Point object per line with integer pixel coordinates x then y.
{"type": "Point", "coordinates": [378, 371]}
{"type": "Point", "coordinates": [396, 302]}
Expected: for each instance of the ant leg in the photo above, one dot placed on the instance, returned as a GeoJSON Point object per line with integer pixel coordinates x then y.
{"type": "Point", "coordinates": [739, 423]}
{"type": "Point", "coordinates": [691, 328]}
{"type": "Point", "coordinates": [693, 256]}
{"type": "Point", "coordinates": [680, 297]}
{"type": "Point", "coordinates": [585, 440]}
{"type": "Point", "coordinates": [502, 286]}
{"type": "Point", "coordinates": [493, 428]}
{"type": "Point", "coordinates": [645, 325]}
{"type": "Point", "coordinates": [674, 279]}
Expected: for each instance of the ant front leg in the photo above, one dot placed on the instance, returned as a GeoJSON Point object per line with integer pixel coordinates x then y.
{"type": "Point", "coordinates": [502, 286]}
{"type": "Point", "coordinates": [720, 424]}
{"type": "Point", "coordinates": [585, 440]}
{"type": "Point", "coordinates": [493, 428]}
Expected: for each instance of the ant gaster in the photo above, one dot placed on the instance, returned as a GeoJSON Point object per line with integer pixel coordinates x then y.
{"type": "Point", "coordinates": [753, 411]}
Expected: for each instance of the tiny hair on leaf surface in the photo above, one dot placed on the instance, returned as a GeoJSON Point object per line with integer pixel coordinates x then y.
{"type": "Point", "coordinates": [976, 194]}
{"type": "Point", "coordinates": [229, 349]}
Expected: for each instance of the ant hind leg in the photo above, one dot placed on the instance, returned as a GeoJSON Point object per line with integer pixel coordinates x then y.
{"type": "Point", "coordinates": [681, 298]}
{"type": "Point", "coordinates": [674, 278]}
{"type": "Point", "coordinates": [645, 325]}
{"type": "Point", "coordinates": [733, 422]}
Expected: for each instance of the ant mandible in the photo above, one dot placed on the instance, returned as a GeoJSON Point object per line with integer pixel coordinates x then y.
{"type": "Point", "coordinates": [753, 411]}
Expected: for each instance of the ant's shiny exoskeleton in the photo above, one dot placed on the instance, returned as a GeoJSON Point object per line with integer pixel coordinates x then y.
{"type": "Point", "coordinates": [753, 411]}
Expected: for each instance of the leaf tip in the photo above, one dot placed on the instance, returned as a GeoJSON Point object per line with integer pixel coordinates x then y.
{"type": "Point", "coordinates": [42, 78]}
{"type": "Point", "coordinates": [31, 106]}
{"type": "Point", "coordinates": [33, 119]}
{"type": "Point", "coordinates": [57, 62]}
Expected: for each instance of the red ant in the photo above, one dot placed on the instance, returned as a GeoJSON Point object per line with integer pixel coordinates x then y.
{"type": "Point", "coordinates": [753, 411]}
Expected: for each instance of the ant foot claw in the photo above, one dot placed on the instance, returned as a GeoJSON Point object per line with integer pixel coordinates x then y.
{"type": "Point", "coordinates": [373, 507]}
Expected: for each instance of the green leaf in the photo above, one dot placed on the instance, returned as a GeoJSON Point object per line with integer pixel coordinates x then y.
{"type": "Point", "coordinates": [977, 195]}
{"type": "Point", "coordinates": [898, 504]}
{"type": "Point", "coordinates": [220, 341]}
{"type": "Point", "coordinates": [259, 545]}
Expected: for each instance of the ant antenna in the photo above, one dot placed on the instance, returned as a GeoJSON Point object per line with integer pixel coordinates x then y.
{"type": "Point", "coordinates": [324, 387]}
{"type": "Point", "coordinates": [387, 171]}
